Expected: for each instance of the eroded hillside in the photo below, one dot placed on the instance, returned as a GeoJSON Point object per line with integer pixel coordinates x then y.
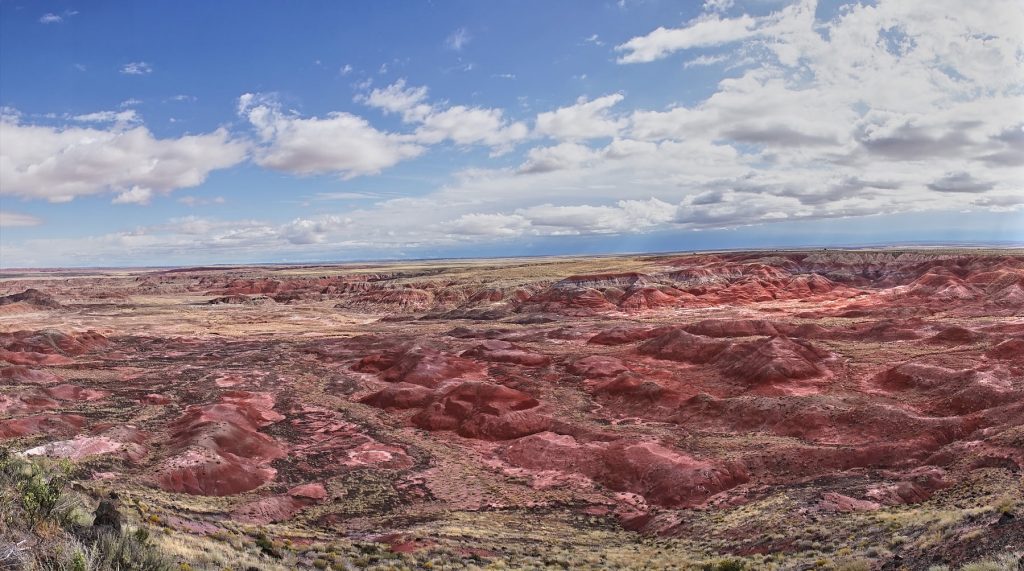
{"type": "Point", "coordinates": [772, 409]}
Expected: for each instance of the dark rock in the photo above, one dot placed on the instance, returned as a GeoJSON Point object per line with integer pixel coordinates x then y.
{"type": "Point", "coordinates": [107, 514]}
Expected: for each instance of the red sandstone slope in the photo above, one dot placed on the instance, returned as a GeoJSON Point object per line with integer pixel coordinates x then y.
{"type": "Point", "coordinates": [857, 379]}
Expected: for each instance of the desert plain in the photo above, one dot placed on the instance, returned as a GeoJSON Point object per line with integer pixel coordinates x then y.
{"type": "Point", "coordinates": [814, 409]}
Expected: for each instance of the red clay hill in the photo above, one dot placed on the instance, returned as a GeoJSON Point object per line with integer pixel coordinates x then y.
{"type": "Point", "coordinates": [724, 402]}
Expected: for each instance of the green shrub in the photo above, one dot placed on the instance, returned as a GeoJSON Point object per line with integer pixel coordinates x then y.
{"type": "Point", "coordinates": [267, 546]}
{"type": "Point", "coordinates": [40, 512]}
{"type": "Point", "coordinates": [41, 494]}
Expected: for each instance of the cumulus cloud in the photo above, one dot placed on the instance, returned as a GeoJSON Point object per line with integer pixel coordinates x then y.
{"type": "Point", "coordinates": [623, 216]}
{"type": "Point", "coordinates": [59, 164]}
{"type": "Point", "coordinates": [471, 125]}
{"type": "Point", "coordinates": [459, 124]}
{"type": "Point", "coordinates": [888, 107]}
{"type": "Point", "coordinates": [310, 231]}
{"type": "Point", "coordinates": [705, 31]}
{"type": "Point", "coordinates": [134, 195]}
{"type": "Point", "coordinates": [583, 120]}
{"type": "Point", "coordinates": [399, 98]}
{"type": "Point", "coordinates": [558, 157]}
{"type": "Point", "coordinates": [339, 143]}
{"type": "Point", "coordinates": [490, 225]}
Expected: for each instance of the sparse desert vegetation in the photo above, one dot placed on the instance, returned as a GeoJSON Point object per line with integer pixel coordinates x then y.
{"type": "Point", "coordinates": [766, 410]}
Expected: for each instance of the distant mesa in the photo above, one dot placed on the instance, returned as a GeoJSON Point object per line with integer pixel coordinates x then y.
{"type": "Point", "coordinates": [31, 298]}
{"type": "Point", "coordinates": [240, 299]}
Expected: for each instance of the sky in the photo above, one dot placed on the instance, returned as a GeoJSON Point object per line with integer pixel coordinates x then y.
{"type": "Point", "coordinates": [181, 133]}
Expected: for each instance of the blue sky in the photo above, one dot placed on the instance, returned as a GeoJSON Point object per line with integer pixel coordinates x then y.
{"type": "Point", "coordinates": [225, 132]}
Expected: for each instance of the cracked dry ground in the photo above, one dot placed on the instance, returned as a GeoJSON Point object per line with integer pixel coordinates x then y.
{"type": "Point", "coordinates": [829, 409]}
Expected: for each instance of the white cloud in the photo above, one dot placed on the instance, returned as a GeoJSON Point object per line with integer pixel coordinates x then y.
{"type": "Point", "coordinates": [701, 32]}
{"type": "Point", "coordinates": [126, 117]}
{"type": "Point", "coordinates": [492, 225]}
{"type": "Point", "coordinates": [59, 164]}
{"type": "Point", "coordinates": [398, 98]}
{"type": "Point", "coordinates": [583, 120]}
{"type": "Point", "coordinates": [624, 216]}
{"type": "Point", "coordinates": [345, 69]}
{"type": "Point", "coordinates": [459, 124]}
{"type": "Point", "coordinates": [10, 219]}
{"type": "Point", "coordinates": [471, 126]}
{"type": "Point", "coordinates": [458, 39]}
{"type": "Point", "coordinates": [888, 107]}
{"type": "Point", "coordinates": [717, 5]}
{"type": "Point", "coordinates": [137, 68]}
{"type": "Point", "coordinates": [339, 143]}
{"type": "Point", "coordinates": [558, 157]}
{"type": "Point", "coordinates": [200, 201]}
{"type": "Point", "coordinates": [310, 231]}
{"type": "Point", "coordinates": [705, 60]}
{"type": "Point", "coordinates": [51, 18]}
{"type": "Point", "coordinates": [134, 195]}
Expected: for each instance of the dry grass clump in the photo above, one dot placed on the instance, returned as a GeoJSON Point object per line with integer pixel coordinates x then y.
{"type": "Point", "coordinates": [46, 525]}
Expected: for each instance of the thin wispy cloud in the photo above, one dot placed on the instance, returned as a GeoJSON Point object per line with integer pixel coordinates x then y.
{"type": "Point", "coordinates": [10, 219]}
{"type": "Point", "coordinates": [137, 68]}
{"type": "Point", "coordinates": [192, 201]}
{"type": "Point", "coordinates": [705, 60]}
{"type": "Point", "coordinates": [458, 39]}
{"type": "Point", "coordinates": [52, 18]}
{"type": "Point", "coordinates": [718, 5]}
{"type": "Point", "coordinates": [349, 195]}
{"type": "Point", "coordinates": [126, 117]}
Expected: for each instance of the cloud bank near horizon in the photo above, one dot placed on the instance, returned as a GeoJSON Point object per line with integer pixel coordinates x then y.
{"type": "Point", "coordinates": [882, 109]}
